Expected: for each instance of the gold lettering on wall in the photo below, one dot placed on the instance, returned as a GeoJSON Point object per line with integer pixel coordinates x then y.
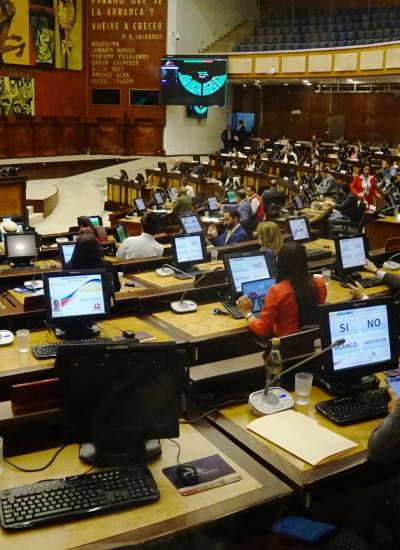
{"type": "Point", "coordinates": [126, 37]}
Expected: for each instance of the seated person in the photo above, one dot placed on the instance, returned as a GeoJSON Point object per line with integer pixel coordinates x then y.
{"type": "Point", "coordinates": [177, 166]}
{"type": "Point", "coordinates": [251, 164]}
{"type": "Point", "coordinates": [328, 185]}
{"type": "Point", "coordinates": [292, 302]}
{"type": "Point", "coordinates": [384, 442]}
{"type": "Point", "coordinates": [269, 236]}
{"type": "Point", "coordinates": [86, 226]}
{"type": "Point", "coordinates": [342, 165]}
{"type": "Point", "coordinates": [183, 203]}
{"type": "Point", "coordinates": [145, 244]}
{"type": "Point", "coordinates": [243, 207]}
{"type": "Point", "coordinates": [227, 171]}
{"type": "Point", "coordinates": [346, 208]}
{"type": "Point", "coordinates": [234, 232]}
{"type": "Point", "coordinates": [273, 195]}
{"type": "Point", "coordinates": [87, 255]}
{"type": "Point", "coordinates": [387, 174]}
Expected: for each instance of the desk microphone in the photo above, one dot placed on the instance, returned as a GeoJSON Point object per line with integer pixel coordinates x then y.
{"type": "Point", "coordinates": [378, 212]}
{"type": "Point", "coordinates": [186, 306]}
{"type": "Point", "coordinates": [274, 399]}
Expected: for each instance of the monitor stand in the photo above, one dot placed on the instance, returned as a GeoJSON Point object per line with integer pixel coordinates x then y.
{"type": "Point", "coordinates": [189, 272]}
{"type": "Point", "coordinates": [144, 452]}
{"type": "Point", "coordinates": [339, 388]}
{"type": "Point", "coordinates": [24, 264]}
{"type": "Point", "coordinates": [76, 331]}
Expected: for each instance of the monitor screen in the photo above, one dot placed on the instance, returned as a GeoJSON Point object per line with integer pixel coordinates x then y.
{"type": "Point", "coordinates": [94, 220]}
{"type": "Point", "coordinates": [197, 111]}
{"type": "Point", "coordinates": [299, 229]}
{"type": "Point", "coordinates": [120, 233]}
{"type": "Point", "coordinates": [249, 120]}
{"type": "Point", "coordinates": [247, 266]}
{"type": "Point", "coordinates": [140, 205]}
{"type": "Point", "coordinates": [189, 249]}
{"type": "Point", "coordinates": [162, 166]}
{"type": "Point", "coordinates": [20, 245]}
{"type": "Point", "coordinates": [231, 196]}
{"type": "Point", "coordinates": [194, 80]}
{"type": "Point", "coordinates": [143, 97]}
{"type": "Point", "coordinates": [256, 291]}
{"type": "Point", "coordinates": [370, 332]}
{"type": "Point", "coordinates": [159, 199]}
{"type": "Point", "coordinates": [65, 251]}
{"type": "Point", "coordinates": [297, 202]}
{"type": "Point", "coordinates": [212, 204]}
{"type": "Point", "coordinates": [76, 294]}
{"type": "Point", "coordinates": [191, 224]}
{"type": "Point", "coordinates": [351, 252]}
{"type": "Point", "coordinates": [172, 192]}
{"type": "Point", "coordinates": [119, 395]}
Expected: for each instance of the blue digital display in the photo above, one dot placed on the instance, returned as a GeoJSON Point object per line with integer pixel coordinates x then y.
{"type": "Point", "coordinates": [194, 80]}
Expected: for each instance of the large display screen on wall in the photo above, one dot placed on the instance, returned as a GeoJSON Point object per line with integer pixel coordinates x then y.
{"type": "Point", "coordinates": [191, 80]}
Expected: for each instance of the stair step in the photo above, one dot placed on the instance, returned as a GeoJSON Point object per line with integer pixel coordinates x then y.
{"type": "Point", "coordinates": [35, 218]}
{"type": "Point", "coordinates": [30, 210]}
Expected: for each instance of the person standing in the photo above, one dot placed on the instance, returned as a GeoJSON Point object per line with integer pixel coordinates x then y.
{"type": "Point", "coordinates": [363, 185]}
{"type": "Point", "coordinates": [241, 136]}
{"type": "Point", "coordinates": [227, 138]}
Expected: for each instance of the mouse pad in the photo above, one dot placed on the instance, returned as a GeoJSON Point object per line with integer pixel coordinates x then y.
{"type": "Point", "coordinates": [213, 471]}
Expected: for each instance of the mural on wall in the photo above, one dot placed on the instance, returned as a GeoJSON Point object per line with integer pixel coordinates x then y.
{"type": "Point", "coordinates": [41, 32]}
{"type": "Point", "coordinates": [16, 96]}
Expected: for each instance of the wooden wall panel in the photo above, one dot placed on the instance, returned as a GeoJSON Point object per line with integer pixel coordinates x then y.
{"type": "Point", "coordinates": [71, 134]}
{"type": "Point", "coordinates": [369, 117]}
{"type": "Point", "coordinates": [45, 137]}
{"type": "Point", "coordinates": [21, 138]}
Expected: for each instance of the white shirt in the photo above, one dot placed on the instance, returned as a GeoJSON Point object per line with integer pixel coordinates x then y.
{"type": "Point", "coordinates": [255, 203]}
{"type": "Point", "coordinates": [142, 246]}
{"type": "Point", "coordinates": [189, 191]}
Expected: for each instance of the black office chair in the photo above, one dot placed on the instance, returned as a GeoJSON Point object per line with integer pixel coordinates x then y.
{"type": "Point", "coordinates": [346, 226]}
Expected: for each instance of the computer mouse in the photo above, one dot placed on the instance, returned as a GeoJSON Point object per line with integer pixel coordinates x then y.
{"type": "Point", "coordinates": [128, 333]}
{"type": "Point", "coordinates": [187, 474]}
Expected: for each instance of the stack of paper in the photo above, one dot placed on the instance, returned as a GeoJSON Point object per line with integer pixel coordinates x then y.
{"type": "Point", "coordinates": [302, 436]}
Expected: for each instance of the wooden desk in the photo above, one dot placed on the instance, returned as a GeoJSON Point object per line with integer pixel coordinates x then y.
{"type": "Point", "coordinates": [379, 230]}
{"type": "Point", "coordinates": [153, 280]}
{"type": "Point", "coordinates": [233, 422]}
{"type": "Point", "coordinates": [171, 515]}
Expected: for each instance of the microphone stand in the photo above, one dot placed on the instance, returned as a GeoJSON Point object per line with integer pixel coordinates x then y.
{"type": "Point", "coordinates": [186, 306]}
{"type": "Point", "coordinates": [275, 399]}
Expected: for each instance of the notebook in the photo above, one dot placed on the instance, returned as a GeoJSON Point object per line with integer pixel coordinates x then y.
{"type": "Point", "coordinates": [301, 436]}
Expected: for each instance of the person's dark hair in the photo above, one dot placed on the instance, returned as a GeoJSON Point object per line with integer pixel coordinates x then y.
{"type": "Point", "coordinates": [234, 213]}
{"type": "Point", "coordinates": [84, 221]}
{"type": "Point", "coordinates": [361, 170]}
{"type": "Point", "coordinates": [241, 194]}
{"type": "Point", "coordinates": [150, 223]}
{"type": "Point", "coordinates": [251, 187]}
{"type": "Point", "coordinates": [345, 187]}
{"type": "Point", "coordinates": [292, 266]}
{"type": "Point", "coordinates": [86, 254]}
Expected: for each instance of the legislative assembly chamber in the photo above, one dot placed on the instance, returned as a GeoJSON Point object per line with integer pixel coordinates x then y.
{"type": "Point", "coordinates": [199, 274]}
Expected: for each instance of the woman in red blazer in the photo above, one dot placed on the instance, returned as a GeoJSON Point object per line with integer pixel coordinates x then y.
{"type": "Point", "coordinates": [292, 302]}
{"type": "Point", "coordinates": [363, 185]}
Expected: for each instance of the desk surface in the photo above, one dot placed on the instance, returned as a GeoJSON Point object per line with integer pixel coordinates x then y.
{"type": "Point", "coordinates": [234, 420]}
{"type": "Point", "coordinates": [151, 278]}
{"type": "Point", "coordinates": [172, 514]}
{"type": "Point", "coordinates": [11, 360]}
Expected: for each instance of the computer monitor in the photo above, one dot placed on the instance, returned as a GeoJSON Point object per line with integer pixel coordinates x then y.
{"type": "Point", "coordinates": [298, 202]}
{"type": "Point", "coordinates": [188, 250]}
{"type": "Point", "coordinates": [369, 328]}
{"type": "Point", "coordinates": [231, 197]}
{"type": "Point", "coordinates": [74, 300]}
{"type": "Point", "coordinates": [124, 174]}
{"type": "Point", "coordinates": [256, 291]}
{"type": "Point", "coordinates": [94, 220]}
{"type": "Point", "coordinates": [120, 398]}
{"type": "Point", "coordinates": [172, 192]}
{"type": "Point", "coordinates": [120, 233]}
{"type": "Point", "coordinates": [140, 206]}
{"type": "Point", "coordinates": [21, 248]}
{"type": "Point", "coordinates": [65, 251]}
{"type": "Point", "coordinates": [351, 252]}
{"type": "Point", "coordinates": [212, 204]}
{"type": "Point", "coordinates": [243, 267]}
{"type": "Point", "coordinates": [190, 224]}
{"type": "Point", "coordinates": [158, 198]}
{"type": "Point", "coordinates": [162, 166]}
{"type": "Point", "coordinates": [299, 229]}
{"type": "Point", "coordinates": [196, 158]}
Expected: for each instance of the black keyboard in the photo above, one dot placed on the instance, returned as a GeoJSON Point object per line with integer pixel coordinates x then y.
{"type": "Point", "coordinates": [232, 309]}
{"type": "Point", "coordinates": [369, 282]}
{"type": "Point", "coordinates": [355, 408]}
{"type": "Point", "coordinates": [46, 351]}
{"type": "Point", "coordinates": [76, 497]}
{"type": "Point", "coordinates": [318, 253]}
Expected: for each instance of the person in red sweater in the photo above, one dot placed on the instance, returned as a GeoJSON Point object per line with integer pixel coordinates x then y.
{"type": "Point", "coordinates": [292, 302]}
{"type": "Point", "coordinates": [363, 185]}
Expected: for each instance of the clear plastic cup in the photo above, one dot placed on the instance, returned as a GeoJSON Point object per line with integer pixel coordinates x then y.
{"type": "Point", "coordinates": [206, 214]}
{"type": "Point", "coordinates": [302, 387]}
{"type": "Point", "coordinates": [23, 335]}
{"type": "Point", "coordinates": [214, 255]}
{"type": "Point", "coordinates": [326, 274]}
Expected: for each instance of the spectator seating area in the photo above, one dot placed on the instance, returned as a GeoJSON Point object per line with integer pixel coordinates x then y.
{"type": "Point", "coordinates": [324, 29]}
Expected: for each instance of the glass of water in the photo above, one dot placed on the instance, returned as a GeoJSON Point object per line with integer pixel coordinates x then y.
{"type": "Point", "coordinates": [302, 387]}
{"type": "Point", "coordinates": [326, 274]}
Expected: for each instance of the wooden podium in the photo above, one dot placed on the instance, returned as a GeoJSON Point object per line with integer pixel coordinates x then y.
{"type": "Point", "coordinates": [13, 196]}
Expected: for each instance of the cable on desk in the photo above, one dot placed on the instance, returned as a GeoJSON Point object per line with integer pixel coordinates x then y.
{"type": "Point", "coordinates": [215, 409]}
{"type": "Point", "coordinates": [179, 449]}
{"type": "Point", "coordinates": [50, 462]}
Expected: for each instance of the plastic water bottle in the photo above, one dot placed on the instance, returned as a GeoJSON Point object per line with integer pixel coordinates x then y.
{"type": "Point", "coordinates": [273, 363]}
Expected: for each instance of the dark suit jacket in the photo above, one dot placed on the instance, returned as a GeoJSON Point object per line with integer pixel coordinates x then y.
{"type": "Point", "coordinates": [392, 281]}
{"type": "Point", "coordinates": [237, 236]}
